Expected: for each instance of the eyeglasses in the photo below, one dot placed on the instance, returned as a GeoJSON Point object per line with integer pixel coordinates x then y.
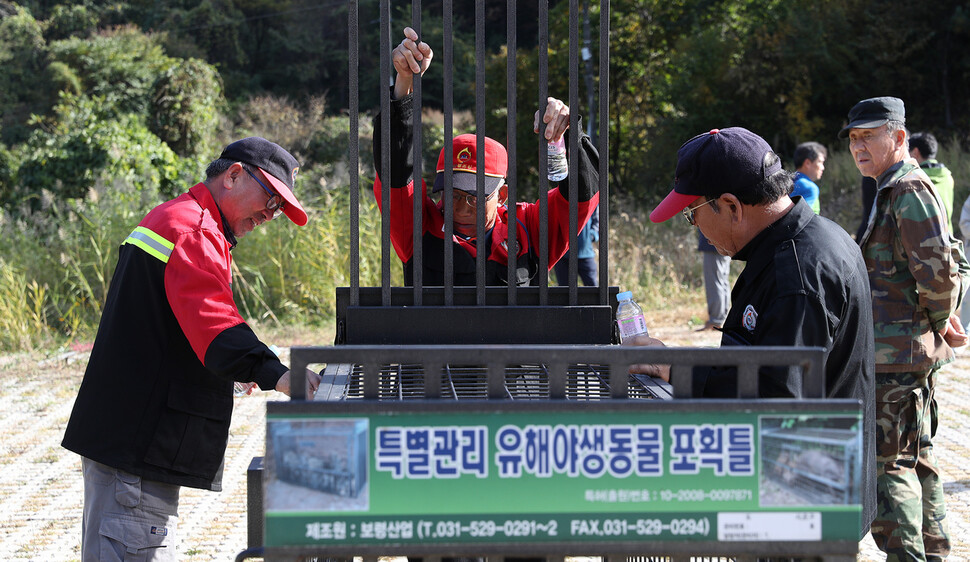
{"type": "Point", "coordinates": [275, 201]}
{"type": "Point", "coordinates": [470, 199]}
{"type": "Point", "coordinates": [689, 212]}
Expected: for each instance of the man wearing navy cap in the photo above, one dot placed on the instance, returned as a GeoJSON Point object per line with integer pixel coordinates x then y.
{"type": "Point", "coordinates": [153, 411]}
{"type": "Point", "coordinates": [804, 282]}
{"type": "Point", "coordinates": [918, 276]}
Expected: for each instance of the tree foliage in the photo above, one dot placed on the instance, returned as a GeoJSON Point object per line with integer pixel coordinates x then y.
{"type": "Point", "coordinates": [787, 70]}
{"type": "Point", "coordinates": [185, 107]}
{"type": "Point", "coordinates": [118, 65]}
{"type": "Point", "coordinates": [88, 148]}
{"type": "Point", "coordinates": [24, 83]}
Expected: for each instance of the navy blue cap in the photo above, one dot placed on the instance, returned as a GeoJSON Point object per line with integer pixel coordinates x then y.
{"type": "Point", "coordinates": [720, 161]}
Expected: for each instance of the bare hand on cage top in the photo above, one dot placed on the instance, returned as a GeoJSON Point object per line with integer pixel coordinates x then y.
{"type": "Point", "coordinates": [556, 119]}
{"type": "Point", "coordinates": [661, 372]}
{"type": "Point", "coordinates": [410, 57]}
{"type": "Point", "coordinates": [312, 383]}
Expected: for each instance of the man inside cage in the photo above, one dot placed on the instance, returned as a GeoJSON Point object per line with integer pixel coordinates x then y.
{"type": "Point", "coordinates": [412, 57]}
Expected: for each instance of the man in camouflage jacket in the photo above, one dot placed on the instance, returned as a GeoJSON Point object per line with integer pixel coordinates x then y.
{"type": "Point", "coordinates": [917, 275]}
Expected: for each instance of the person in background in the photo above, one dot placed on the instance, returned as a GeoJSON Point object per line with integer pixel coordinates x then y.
{"type": "Point", "coordinates": [412, 57]}
{"type": "Point", "coordinates": [716, 270]}
{"type": "Point", "coordinates": [153, 411]}
{"type": "Point", "coordinates": [922, 147]}
{"type": "Point", "coordinates": [918, 276]}
{"type": "Point", "coordinates": [586, 266]}
{"type": "Point", "coordinates": [809, 166]}
{"type": "Point", "coordinates": [804, 282]}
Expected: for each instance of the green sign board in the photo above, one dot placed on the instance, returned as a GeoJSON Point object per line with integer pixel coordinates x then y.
{"type": "Point", "coordinates": [561, 476]}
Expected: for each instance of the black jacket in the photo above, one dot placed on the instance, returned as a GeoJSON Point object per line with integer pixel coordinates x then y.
{"type": "Point", "coordinates": [805, 284]}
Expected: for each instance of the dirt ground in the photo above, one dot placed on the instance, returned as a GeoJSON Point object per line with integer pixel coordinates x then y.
{"type": "Point", "coordinates": [41, 491]}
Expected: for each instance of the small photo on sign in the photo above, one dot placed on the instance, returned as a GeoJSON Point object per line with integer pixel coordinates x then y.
{"type": "Point", "coordinates": [316, 464]}
{"type": "Point", "coordinates": [810, 460]}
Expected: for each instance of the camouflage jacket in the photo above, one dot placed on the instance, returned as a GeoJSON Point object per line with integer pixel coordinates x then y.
{"type": "Point", "coordinates": [917, 271]}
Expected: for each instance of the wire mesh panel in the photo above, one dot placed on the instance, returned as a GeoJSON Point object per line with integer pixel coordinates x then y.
{"type": "Point", "coordinates": [459, 382]}
{"type": "Point", "coordinates": [521, 372]}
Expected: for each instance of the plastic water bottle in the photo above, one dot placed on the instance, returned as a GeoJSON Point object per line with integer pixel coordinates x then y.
{"type": "Point", "coordinates": [558, 166]}
{"type": "Point", "coordinates": [629, 317]}
{"type": "Point", "coordinates": [242, 388]}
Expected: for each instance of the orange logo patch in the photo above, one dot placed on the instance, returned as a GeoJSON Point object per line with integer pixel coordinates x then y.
{"type": "Point", "coordinates": [464, 159]}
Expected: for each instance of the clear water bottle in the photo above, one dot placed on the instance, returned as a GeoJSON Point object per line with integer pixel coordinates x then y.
{"type": "Point", "coordinates": [558, 166]}
{"type": "Point", "coordinates": [242, 388]}
{"type": "Point", "coordinates": [629, 317]}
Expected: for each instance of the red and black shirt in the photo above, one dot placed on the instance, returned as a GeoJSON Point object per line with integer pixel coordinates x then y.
{"type": "Point", "coordinates": [156, 398]}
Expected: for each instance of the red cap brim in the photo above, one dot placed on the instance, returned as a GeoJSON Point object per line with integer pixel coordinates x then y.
{"type": "Point", "coordinates": [292, 208]}
{"type": "Point", "coordinates": [672, 204]}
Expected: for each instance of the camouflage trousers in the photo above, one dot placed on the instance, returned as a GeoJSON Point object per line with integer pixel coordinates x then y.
{"type": "Point", "coordinates": [910, 519]}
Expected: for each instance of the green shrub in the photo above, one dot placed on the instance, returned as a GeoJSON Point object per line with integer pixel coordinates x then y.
{"type": "Point", "coordinates": [25, 87]}
{"type": "Point", "coordinates": [185, 107]}
{"type": "Point", "coordinates": [88, 148]}
{"type": "Point", "coordinates": [65, 253]}
{"type": "Point", "coordinates": [67, 21]}
{"type": "Point", "coordinates": [118, 66]}
{"type": "Point", "coordinates": [285, 122]}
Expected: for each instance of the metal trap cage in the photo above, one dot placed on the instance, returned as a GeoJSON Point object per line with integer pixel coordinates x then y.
{"type": "Point", "coordinates": [474, 383]}
{"type": "Point", "coordinates": [494, 353]}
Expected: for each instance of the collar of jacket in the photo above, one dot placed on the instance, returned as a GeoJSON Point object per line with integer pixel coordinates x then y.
{"type": "Point", "coordinates": [760, 251]}
{"type": "Point", "coordinates": [206, 201]}
{"type": "Point", "coordinates": [895, 171]}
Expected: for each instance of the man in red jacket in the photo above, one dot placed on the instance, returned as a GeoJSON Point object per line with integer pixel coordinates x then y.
{"type": "Point", "coordinates": [153, 411]}
{"type": "Point", "coordinates": [412, 57]}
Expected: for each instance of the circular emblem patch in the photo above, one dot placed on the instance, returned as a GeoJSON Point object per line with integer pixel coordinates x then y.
{"type": "Point", "coordinates": [750, 318]}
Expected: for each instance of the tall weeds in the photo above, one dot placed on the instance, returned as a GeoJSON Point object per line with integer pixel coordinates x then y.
{"type": "Point", "coordinates": [23, 322]}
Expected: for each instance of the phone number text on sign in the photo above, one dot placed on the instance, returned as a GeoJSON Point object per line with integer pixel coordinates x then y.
{"type": "Point", "coordinates": [639, 527]}
{"type": "Point", "coordinates": [487, 528]}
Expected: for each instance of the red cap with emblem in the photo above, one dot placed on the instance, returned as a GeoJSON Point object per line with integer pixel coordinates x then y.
{"type": "Point", "coordinates": [465, 164]}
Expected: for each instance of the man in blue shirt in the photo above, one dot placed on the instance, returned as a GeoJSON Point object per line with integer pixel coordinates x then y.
{"type": "Point", "coordinates": [809, 165]}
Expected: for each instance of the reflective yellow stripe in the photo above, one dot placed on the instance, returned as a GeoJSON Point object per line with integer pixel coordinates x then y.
{"type": "Point", "coordinates": [152, 243]}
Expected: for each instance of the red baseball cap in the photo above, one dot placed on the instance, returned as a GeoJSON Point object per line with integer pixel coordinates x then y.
{"type": "Point", "coordinates": [465, 165]}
